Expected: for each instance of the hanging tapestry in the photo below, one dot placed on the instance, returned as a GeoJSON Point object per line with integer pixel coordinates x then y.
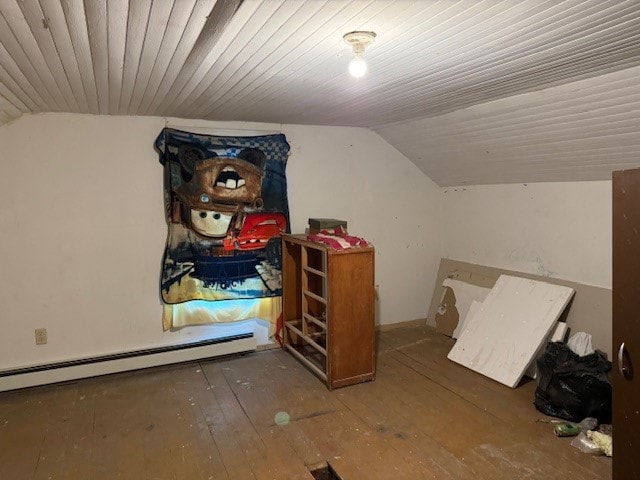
{"type": "Point", "coordinates": [226, 205]}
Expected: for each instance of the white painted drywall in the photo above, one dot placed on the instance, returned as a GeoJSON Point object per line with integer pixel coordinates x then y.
{"type": "Point", "coordinates": [355, 175]}
{"type": "Point", "coordinates": [560, 230]}
{"type": "Point", "coordinates": [82, 228]}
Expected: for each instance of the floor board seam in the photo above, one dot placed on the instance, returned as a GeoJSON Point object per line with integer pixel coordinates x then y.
{"type": "Point", "coordinates": [443, 386]}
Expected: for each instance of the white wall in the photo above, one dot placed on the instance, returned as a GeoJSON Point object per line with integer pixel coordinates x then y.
{"type": "Point", "coordinates": [355, 175]}
{"type": "Point", "coordinates": [560, 230]}
{"type": "Point", "coordinates": [82, 228]}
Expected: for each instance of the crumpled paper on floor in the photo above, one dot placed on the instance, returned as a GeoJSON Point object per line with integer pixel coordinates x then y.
{"type": "Point", "coordinates": [602, 440]}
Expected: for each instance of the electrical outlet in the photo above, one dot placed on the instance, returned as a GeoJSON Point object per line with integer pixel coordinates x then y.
{"type": "Point", "coordinates": [41, 336]}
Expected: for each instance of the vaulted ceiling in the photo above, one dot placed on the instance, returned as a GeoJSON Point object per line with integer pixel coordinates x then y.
{"type": "Point", "coordinates": [470, 91]}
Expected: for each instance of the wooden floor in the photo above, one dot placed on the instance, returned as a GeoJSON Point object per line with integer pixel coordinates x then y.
{"type": "Point", "coordinates": [423, 417]}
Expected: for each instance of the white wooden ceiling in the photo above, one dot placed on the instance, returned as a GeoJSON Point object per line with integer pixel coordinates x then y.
{"type": "Point", "coordinates": [284, 62]}
{"type": "Point", "coordinates": [578, 131]}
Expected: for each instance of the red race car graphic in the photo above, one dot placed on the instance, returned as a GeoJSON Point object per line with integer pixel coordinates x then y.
{"type": "Point", "coordinates": [257, 229]}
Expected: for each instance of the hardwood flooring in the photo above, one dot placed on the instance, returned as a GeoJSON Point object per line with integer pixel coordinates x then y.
{"type": "Point", "coordinates": [424, 417]}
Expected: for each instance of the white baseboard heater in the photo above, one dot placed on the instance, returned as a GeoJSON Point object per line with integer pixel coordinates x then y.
{"type": "Point", "coordinates": [121, 362]}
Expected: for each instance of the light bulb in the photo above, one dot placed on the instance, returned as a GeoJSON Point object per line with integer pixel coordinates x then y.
{"type": "Point", "coordinates": [357, 67]}
{"type": "Point", "coordinates": [358, 41]}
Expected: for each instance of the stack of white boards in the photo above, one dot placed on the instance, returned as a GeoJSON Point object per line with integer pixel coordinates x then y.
{"type": "Point", "coordinates": [504, 334]}
{"type": "Point", "coordinates": [468, 297]}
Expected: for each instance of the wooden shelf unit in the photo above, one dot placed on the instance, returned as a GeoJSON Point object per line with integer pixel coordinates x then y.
{"type": "Point", "coordinates": [328, 309]}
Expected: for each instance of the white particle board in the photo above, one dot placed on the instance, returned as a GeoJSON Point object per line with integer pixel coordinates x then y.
{"type": "Point", "coordinates": [473, 308]}
{"type": "Point", "coordinates": [457, 297]}
{"type": "Point", "coordinates": [466, 294]}
{"type": "Point", "coordinates": [502, 338]}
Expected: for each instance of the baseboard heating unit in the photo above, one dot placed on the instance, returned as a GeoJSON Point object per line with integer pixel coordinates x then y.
{"type": "Point", "coordinates": [121, 362]}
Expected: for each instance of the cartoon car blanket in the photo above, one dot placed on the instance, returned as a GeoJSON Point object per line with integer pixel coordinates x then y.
{"type": "Point", "coordinates": [226, 205]}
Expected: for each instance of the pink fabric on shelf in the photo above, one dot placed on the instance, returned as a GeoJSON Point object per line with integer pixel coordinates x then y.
{"type": "Point", "coordinates": [338, 239]}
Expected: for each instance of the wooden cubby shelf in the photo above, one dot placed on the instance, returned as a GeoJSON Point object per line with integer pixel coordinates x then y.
{"type": "Point", "coordinates": [328, 309]}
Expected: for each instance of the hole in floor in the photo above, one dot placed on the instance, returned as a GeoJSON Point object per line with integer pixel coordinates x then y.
{"type": "Point", "coordinates": [325, 472]}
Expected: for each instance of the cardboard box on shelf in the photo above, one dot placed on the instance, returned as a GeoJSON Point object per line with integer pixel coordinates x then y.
{"type": "Point", "coordinates": [317, 224]}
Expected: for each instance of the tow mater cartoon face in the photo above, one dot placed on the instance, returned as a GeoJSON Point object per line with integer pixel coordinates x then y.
{"type": "Point", "coordinates": [210, 223]}
{"type": "Point", "coordinates": [215, 190]}
{"type": "Point", "coordinates": [222, 183]}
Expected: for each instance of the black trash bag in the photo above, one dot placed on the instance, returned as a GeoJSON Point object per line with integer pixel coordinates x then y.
{"type": "Point", "coordinates": [573, 387]}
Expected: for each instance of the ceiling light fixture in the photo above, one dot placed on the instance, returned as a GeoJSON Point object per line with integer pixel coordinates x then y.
{"type": "Point", "coordinates": [358, 41]}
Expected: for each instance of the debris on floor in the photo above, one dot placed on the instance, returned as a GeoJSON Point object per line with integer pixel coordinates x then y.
{"type": "Point", "coordinates": [586, 438]}
{"type": "Point", "coordinates": [602, 440]}
{"type": "Point", "coordinates": [594, 442]}
{"type": "Point", "coordinates": [573, 387]}
{"type": "Point", "coordinates": [580, 343]}
{"type": "Point", "coordinates": [566, 429]}
{"type": "Point", "coordinates": [281, 418]}
{"type": "Point", "coordinates": [563, 428]}
{"type": "Point", "coordinates": [588, 423]}
{"type": "Point", "coordinates": [584, 444]}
